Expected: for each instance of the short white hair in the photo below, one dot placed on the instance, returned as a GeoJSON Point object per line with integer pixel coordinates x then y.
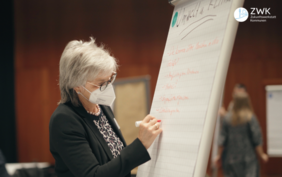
{"type": "Point", "coordinates": [79, 63]}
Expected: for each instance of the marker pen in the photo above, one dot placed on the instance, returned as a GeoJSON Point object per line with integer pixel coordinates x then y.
{"type": "Point", "coordinates": [137, 123]}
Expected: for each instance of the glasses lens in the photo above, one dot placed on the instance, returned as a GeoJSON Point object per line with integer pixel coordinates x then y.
{"type": "Point", "coordinates": [104, 86]}
{"type": "Point", "coordinates": [113, 77]}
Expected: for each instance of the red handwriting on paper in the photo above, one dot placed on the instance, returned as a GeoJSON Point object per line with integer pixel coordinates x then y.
{"type": "Point", "coordinates": [215, 41]}
{"type": "Point", "coordinates": [176, 50]}
{"type": "Point", "coordinates": [172, 63]}
{"type": "Point", "coordinates": [167, 110]}
{"type": "Point", "coordinates": [200, 45]}
{"type": "Point", "coordinates": [206, 44]}
{"type": "Point", "coordinates": [191, 47]}
{"type": "Point", "coordinates": [173, 98]}
{"type": "Point", "coordinates": [173, 75]}
{"type": "Point", "coordinates": [170, 85]}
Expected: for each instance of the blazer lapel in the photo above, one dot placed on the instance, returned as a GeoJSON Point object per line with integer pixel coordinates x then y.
{"type": "Point", "coordinates": [110, 116]}
{"type": "Point", "coordinates": [89, 121]}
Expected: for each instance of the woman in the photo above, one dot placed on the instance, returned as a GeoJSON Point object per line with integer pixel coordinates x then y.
{"type": "Point", "coordinates": [84, 137]}
{"type": "Point", "coordinates": [240, 139]}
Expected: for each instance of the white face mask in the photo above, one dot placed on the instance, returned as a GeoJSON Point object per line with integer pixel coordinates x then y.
{"type": "Point", "coordinates": [106, 97]}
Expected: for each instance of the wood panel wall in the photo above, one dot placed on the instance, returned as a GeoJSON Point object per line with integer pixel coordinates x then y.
{"type": "Point", "coordinates": [257, 60]}
{"type": "Point", "coordinates": [135, 32]}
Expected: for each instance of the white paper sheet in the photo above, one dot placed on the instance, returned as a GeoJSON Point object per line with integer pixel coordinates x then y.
{"type": "Point", "coordinates": [184, 86]}
{"type": "Point", "coordinates": [274, 120]}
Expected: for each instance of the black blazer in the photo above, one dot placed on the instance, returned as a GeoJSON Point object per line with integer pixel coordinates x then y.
{"type": "Point", "coordinates": [80, 150]}
{"type": "Point", "coordinates": [3, 171]}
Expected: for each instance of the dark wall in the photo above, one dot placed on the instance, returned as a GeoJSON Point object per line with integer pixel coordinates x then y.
{"type": "Point", "coordinates": [7, 96]}
{"type": "Point", "coordinates": [136, 32]}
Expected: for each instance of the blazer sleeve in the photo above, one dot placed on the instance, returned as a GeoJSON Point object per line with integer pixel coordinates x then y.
{"type": "Point", "coordinates": [68, 138]}
{"type": "Point", "coordinates": [3, 171]}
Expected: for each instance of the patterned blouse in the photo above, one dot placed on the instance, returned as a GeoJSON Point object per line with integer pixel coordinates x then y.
{"type": "Point", "coordinates": [113, 141]}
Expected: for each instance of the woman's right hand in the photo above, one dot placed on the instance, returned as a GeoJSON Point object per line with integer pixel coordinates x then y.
{"type": "Point", "coordinates": [264, 157]}
{"type": "Point", "coordinates": [261, 154]}
{"type": "Point", "coordinates": [149, 129]}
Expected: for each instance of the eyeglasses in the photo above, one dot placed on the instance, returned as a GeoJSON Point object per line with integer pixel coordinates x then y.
{"type": "Point", "coordinates": [104, 85]}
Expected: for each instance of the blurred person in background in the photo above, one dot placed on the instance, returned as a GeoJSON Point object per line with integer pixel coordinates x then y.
{"type": "Point", "coordinates": [241, 140]}
{"type": "Point", "coordinates": [85, 139]}
{"type": "Point", "coordinates": [3, 171]}
{"type": "Point", "coordinates": [238, 88]}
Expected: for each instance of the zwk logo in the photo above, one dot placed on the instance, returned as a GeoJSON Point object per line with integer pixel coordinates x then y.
{"type": "Point", "coordinates": [241, 14]}
{"type": "Point", "coordinates": [264, 11]}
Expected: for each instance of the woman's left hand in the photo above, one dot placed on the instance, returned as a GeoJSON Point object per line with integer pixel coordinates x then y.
{"type": "Point", "coordinates": [264, 157]}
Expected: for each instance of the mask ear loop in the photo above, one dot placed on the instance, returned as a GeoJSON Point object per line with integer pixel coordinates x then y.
{"type": "Point", "coordinates": [82, 94]}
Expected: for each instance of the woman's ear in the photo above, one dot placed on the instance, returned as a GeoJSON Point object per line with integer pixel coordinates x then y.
{"type": "Point", "coordinates": [77, 89]}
